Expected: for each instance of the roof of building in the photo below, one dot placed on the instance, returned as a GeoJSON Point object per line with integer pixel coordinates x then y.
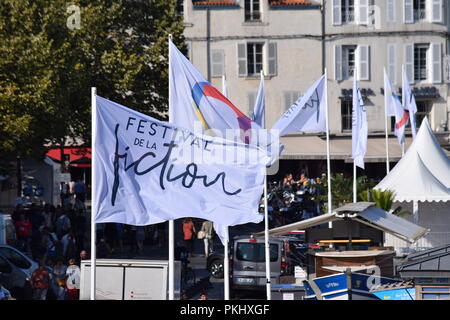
{"type": "Point", "coordinates": [214, 3]}
{"type": "Point", "coordinates": [428, 253]}
{"type": "Point", "coordinates": [435, 262]}
{"type": "Point", "coordinates": [391, 286]}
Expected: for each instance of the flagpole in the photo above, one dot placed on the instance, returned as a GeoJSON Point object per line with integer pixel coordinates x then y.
{"type": "Point", "coordinates": [386, 126]}
{"type": "Point", "coordinates": [226, 268]}
{"type": "Point", "coordinates": [171, 222]}
{"type": "Point", "coordinates": [354, 182]}
{"type": "Point", "coordinates": [266, 221]}
{"type": "Point", "coordinates": [330, 224]}
{"type": "Point", "coordinates": [93, 185]}
{"type": "Point", "coordinates": [404, 106]}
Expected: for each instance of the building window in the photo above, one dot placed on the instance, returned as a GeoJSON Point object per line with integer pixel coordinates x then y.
{"type": "Point", "coordinates": [420, 62]}
{"type": "Point", "coordinates": [254, 58]}
{"type": "Point", "coordinates": [252, 10]}
{"type": "Point", "coordinates": [346, 114]}
{"type": "Point", "coordinates": [420, 12]}
{"type": "Point", "coordinates": [435, 293]}
{"type": "Point", "coordinates": [348, 61]}
{"type": "Point", "coordinates": [423, 110]}
{"type": "Point", "coordinates": [348, 11]}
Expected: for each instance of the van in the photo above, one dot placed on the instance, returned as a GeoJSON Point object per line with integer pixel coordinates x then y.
{"type": "Point", "coordinates": [248, 263]}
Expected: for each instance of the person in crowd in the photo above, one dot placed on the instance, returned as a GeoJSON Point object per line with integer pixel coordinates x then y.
{"type": "Point", "coordinates": [62, 224]}
{"type": "Point", "coordinates": [288, 180]}
{"type": "Point", "coordinates": [65, 195]}
{"type": "Point", "coordinates": [83, 256]}
{"type": "Point", "coordinates": [40, 282]}
{"type": "Point", "coordinates": [189, 235]}
{"type": "Point", "coordinates": [51, 244]}
{"type": "Point", "coordinates": [140, 237]}
{"type": "Point", "coordinates": [80, 190]}
{"type": "Point", "coordinates": [59, 279]}
{"type": "Point", "coordinates": [23, 233]}
{"type": "Point", "coordinates": [48, 214]}
{"type": "Point", "coordinates": [69, 247]}
{"type": "Point", "coordinates": [73, 274]}
{"type": "Point", "coordinates": [79, 229]}
{"type": "Point", "coordinates": [203, 295]}
{"type": "Point", "coordinates": [5, 294]}
{"type": "Point", "coordinates": [207, 228]}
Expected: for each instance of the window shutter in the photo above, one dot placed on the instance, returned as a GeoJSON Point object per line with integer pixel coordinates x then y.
{"type": "Point", "coordinates": [272, 59]}
{"type": "Point", "coordinates": [436, 60]}
{"type": "Point", "coordinates": [390, 11]}
{"type": "Point", "coordinates": [242, 59]}
{"type": "Point", "coordinates": [409, 61]}
{"type": "Point", "coordinates": [408, 11]}
{"type": "Point", "coordinates": [363, 59]}
{"type": "Point", "coordinates": [217, 63]}
{"type": "Point", "coordinates": [437, 11]}
{"type": "Point", "coordinates": [392, 62]}
{"type": "Point", "coordinates": [337, 13]}
{"type": "Point", "coordinates": [338, 62]}
{"type": "Point", "coordinates": [362, 10]}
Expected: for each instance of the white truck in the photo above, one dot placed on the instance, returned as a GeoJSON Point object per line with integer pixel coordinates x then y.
{"type": "Point", "coordinates": [129, 279]}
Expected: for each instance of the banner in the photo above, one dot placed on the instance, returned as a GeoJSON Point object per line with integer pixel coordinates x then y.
{"type": "Point", "coordinates": [259, 108]}
{"type": "Point", "coordinates": [359, 127]}
{"type": "Point", "coordinates": [149, 171]}
{"type": "Point", "coordinates": [307, 114]}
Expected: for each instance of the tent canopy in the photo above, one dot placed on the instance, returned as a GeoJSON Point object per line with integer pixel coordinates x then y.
{"type": "Point", "coordinates": [363, 212]}
{"type": "Point", "coordinates": [423, 174]}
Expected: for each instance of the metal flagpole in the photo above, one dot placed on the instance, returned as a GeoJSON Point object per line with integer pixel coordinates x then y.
{"type": "Point", "coordinates": [404, 106]}
{"type": "Point", "coordinates": [354, 182]}
{"type": "Point", "coordinates": [330, 224]}
{"type": "Point", "coordinates": [226, 269]}
{"type": "Point", "coordinates": [386, 126]}
{"type": "Point", "coordinates": [171, 222]}
{"type": "Point", "coordinates": [93, 185]}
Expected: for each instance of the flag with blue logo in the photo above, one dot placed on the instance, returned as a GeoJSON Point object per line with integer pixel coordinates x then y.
{"type": "Point", "coordinates": [359, 127]}
{"type": "Point", "coordinates": [307, 114]}
{"type": "Point", "coordinates": [409, 102]}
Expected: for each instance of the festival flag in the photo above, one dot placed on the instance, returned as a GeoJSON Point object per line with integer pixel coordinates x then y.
{"type": "Point", "coordinates": [359, 127]}
{"type": "Point", "coordinates": [149, 171]}
{"type": "Point", "coordinates": [394, 108]}
{"type": "Point", "coordinates": [307, 114]}
{"type": "Point", "coordinates": [259, 109]}
{"type": "Point", "coordinates": [409, 102]}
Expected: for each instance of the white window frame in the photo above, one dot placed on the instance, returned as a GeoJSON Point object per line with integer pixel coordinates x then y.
{"type": "Point", "coordinates": [252, 19]}
{"type": "Point", "coordinates": [220, 64]}
{"type": "Point", "coordinates": [266, 58]}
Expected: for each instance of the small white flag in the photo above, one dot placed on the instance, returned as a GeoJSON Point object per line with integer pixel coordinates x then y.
{"type": "Point", "coordinates": [409, 103]}
{"type": "Point", "coordinates": [359, 127]}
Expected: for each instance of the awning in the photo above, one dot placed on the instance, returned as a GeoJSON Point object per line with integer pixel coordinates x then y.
{"type": "Point", "coordinates": [363, 212]}
{"type": "Point", "coordinates": [308, 147]}
{"type": "Point", "coordinates": [78, 157]}
{"type": "Point", "coordinates": [341, 269]}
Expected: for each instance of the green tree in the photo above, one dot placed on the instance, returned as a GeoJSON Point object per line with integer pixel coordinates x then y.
{"type": "Point", "coordinates": [47, 68]}
{"type": "Point", "coordinates": [383, 199]}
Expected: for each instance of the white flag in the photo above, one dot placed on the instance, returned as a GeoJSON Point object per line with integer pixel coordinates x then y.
{"type": "Point", "coordinates": [359, 127]}
{"type": "Point", "coordinates": [307, 113]}
{"type": "Point", "coordinates": [149, 171]}
{"type": "Point", "coordinates": [409, 102]}
{"type": "Point", "coordinates": [394, 108]}
{"type": "Point", "coordinates": [259, 108]}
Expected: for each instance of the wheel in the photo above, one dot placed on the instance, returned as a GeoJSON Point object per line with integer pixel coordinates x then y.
{"type": "Point", "coordinates": [216, 269]}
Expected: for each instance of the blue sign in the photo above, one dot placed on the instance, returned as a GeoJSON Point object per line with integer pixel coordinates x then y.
{"type": "Point", "coordinates": [397, 294]}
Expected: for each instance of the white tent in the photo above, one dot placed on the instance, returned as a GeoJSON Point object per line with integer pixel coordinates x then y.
{"type": "Point", "coordinates": [423, 174]}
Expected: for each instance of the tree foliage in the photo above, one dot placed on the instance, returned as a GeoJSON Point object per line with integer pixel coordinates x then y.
{"type": "Point", "coordinates": [47, 68]}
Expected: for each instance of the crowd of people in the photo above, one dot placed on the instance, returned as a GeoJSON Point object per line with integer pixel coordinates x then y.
{"type": "Point", "coordinates": [295, 198]}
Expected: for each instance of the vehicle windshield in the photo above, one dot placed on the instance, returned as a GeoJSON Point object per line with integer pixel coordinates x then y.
{"type": "Point", "coordinates": [254, 252]}
{"type": "Point", "coordinates": [4, 266]}
{"type": "Point", "coordinates": [15, 258]}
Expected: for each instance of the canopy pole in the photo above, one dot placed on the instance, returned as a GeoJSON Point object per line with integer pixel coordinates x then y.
{"type": "Point", "coordinates": [386, 127]}
{"type": "Point", "coordinates": [171, 222]}
{"type": "Point", "coordinates": [266, 240]}
{"type": "Point", "coordinates": [355, 198]}
{"type": "Point", "coordinates": [93, 186]}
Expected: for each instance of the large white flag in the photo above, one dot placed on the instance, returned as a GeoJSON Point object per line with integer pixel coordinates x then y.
{"type": "Point", "coordinates": [409, 102]}
{"type": "Point", "coordinates": [359, 127]}
{"type": "Point", "coordinates": [394, 108]}
{"type": "Point", "coordinates": [149, 171]}
{"type": "Point", "coordinates": [259, 108]}
{"type": "Point", "coordinates": [307, 113]}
